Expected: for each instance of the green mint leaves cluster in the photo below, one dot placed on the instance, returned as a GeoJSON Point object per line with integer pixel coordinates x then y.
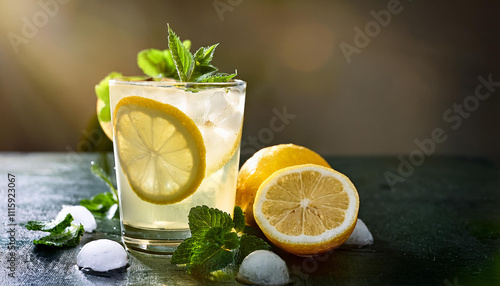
{"type": "Point", "coordinates": [197, 67]}
{"type": "Point", "coordinates": [104, 203]}
{"type": "Point", "coordinates": [177, 62]}
{"type": "Point", "coordinates": [216, 241]}
{"type": "Point", "coordinates": [62, 233]}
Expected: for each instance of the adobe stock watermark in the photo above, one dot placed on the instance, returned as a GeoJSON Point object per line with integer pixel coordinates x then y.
{"type": "Point", "coordinates": [91, 139]}
{"type": "Point", "coordinates": [453, 117]}
{"type": "Point", "coordinates": [277, 123]}
{"type": "Point", "coordinates": [372, 29]}
{"type": "Point", "coordinates": [223, 6]}
{"type": "Point", "coordinates": [11, 255]}
{"type": "Point", "coordinates": [39, 19]}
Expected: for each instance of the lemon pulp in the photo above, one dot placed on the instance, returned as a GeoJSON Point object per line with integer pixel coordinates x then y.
{"type": "Point", "coordinates": [161, 150]}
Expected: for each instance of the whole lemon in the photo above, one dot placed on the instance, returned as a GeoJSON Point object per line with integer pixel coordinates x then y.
{"type": "Point", "coordinates": [262, 165]}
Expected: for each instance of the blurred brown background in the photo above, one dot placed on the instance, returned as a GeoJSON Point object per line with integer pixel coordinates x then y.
{"type": "Point", "coordinates": [394, 90]}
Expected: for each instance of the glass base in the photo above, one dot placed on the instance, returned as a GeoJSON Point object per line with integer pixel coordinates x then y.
{"type": "Point", "coordinates": [153, 241]}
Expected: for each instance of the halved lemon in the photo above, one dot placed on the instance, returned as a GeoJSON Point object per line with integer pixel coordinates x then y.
{"type": "Point", "coordinates": [160, 150]}
{"type": "Point", "coordinates": [262, 165]}
{"type": "Point", "coordinates": [307, 209]}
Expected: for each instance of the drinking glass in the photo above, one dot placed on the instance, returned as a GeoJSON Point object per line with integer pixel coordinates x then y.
{"type": "Point", "coordinates": [217, 111]}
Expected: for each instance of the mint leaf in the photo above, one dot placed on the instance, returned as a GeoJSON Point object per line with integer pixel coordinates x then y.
{"type": "Point", "coordinates": [204, 56]}
{"type": "Point", "coordinates": [99, 172]}
{"type": "Point", "coordinates": [218, 77]}
{"type": "Point", "coordinates": [187, 44]}
{"type": "Point", "coordinates": [215, 235]}
{"type": "Point", "coordinates": [102, 88]}
{"type": "Point", "coordinates": [217, 241]}
{"type": "Point", "coordinates": [248, 244]}
{"type": "Point", "coordinates": [209, 258]}
{"type": "Point", "coordinates": [51, 226]}
{"type": "Point", "coordinates": [104, 113]}
{"type": "Point", "coordinates": [70, 237]}
{"type": "Point", "coordinates": [202, 71]}
{"type": "Point", "coordinates": [62, 233]}
{"type": "Point", "coordinates": [183, 59]}
{"type": "Point", "coordinates": [106, 202]}
{"type": "Point", "coordinates": [184, 251]}
{"type": "Point", "coordinates": [203, 67]}
{"type": "Point", "coordinates": [202, 218]}
{"type": "Point", "coordinates": [221, 237]}
{"type": "Point", "coordinates": [102, 92]}
{"type": "Point", "coordinates": [156, 63]}
{"type": "Point", "coordinates": [231, 241]}
{"type": "Point", "coordinates": [238, 219]}
{"type": "Point", "coordinates": [99, 203]}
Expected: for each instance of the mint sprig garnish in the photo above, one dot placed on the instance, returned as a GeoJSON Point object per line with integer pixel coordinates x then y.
{"type": "Point", "coordinates": [216, 241]}
{"type": "Point", "coordinates": [177, 62]}
{"type": "Point", "coordinates": [203, 58]}
{"type": "Point", "coordinates": [103, 203]}
{"type": "Point", "coordinates": [197, 67]}
{"type": "Point", "coordinates": [62, 232]}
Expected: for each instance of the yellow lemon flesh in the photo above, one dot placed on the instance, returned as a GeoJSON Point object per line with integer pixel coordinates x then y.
{"type": "Point", "coordinates": [262, 165]}
{"type": "Point", "coordinates": [307, 209]}
{"type": "Point", "coordinates": [160, 150]}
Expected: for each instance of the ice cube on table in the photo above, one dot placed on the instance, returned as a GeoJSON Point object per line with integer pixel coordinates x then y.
{"type": "Point", "coordinates": [80, 215]}
{"type": "Point", "coordinates": [361, 236]}
{"type": "Point", "coordinates": [102, 255]}
{"type": "Point", "coordinates": [263, 267]}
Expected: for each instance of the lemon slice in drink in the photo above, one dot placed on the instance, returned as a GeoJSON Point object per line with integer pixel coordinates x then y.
{"type": "Point", "coordinates": [222, 143]}
{"type": "Point", "coordinates": [307, 209]}
{"type": "Point", "coordinates": [160, 149]}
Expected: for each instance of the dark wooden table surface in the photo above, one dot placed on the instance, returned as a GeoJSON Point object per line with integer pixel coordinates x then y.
{"type": "Point", "coordinates": [441, 226]}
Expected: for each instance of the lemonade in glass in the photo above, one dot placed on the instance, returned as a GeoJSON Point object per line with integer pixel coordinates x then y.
{"type": "Point", "coordinates": [176, 146]}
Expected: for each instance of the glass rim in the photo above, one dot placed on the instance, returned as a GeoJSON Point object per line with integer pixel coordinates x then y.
{"type": "Point", "coordinates": [168, 82]}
